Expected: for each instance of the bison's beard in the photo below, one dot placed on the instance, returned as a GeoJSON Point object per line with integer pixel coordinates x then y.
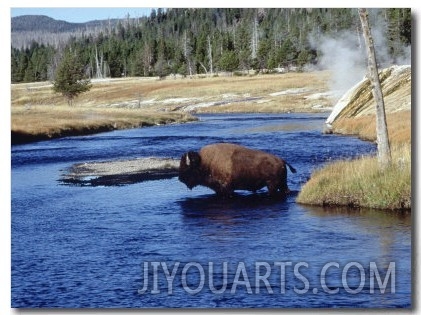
{"type": "Point", "coordinates": [190, 185]}
{"type": "Point", "coordinates": [190, 178]}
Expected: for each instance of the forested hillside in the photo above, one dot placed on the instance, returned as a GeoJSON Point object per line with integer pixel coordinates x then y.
{"type": "Point", "coordinates": [196, 41]}
{"type": "Point", "coordinates": [42, 23]}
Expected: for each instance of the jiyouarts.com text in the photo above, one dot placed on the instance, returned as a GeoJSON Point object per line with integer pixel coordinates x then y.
{"type": "Point", "coordinates": [279, 277]}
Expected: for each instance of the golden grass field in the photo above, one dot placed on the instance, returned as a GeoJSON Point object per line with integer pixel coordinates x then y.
{"type": "Point", "coordinates": [133, 102]}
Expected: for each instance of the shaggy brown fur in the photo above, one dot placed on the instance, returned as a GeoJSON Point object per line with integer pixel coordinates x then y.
{"type": "Point", "coordinates": [225, 167]}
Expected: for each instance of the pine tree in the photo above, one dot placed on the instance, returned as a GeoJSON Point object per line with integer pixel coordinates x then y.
{"type": "Point", "coordinates": [70, 78]}
{"type": "Point", "coordinates": [229, 61]}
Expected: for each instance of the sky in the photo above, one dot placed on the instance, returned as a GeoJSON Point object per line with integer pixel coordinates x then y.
{"type": "Point", "coordinates": [80, 15]}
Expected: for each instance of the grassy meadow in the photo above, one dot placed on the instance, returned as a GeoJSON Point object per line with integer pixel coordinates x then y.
{"type": "Point", "coordinates": [37, 113]}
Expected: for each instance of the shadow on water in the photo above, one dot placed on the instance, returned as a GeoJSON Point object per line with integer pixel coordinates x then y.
{"type": "Point", "coordinates": [239, 208]}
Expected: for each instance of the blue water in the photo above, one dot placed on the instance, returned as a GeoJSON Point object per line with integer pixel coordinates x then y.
{"type": "Point", "coordinates": [78, 246]}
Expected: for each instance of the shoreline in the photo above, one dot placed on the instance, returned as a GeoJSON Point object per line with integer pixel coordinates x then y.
{"type": "Point", "coordinates": [19, 137]}
{"type": "Point", "coordinates": [38, 114]}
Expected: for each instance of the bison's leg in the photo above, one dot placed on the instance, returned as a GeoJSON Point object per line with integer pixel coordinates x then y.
{"type": "Point", "coordinates": [282, 184]}
{"type": "Point", "coordinates": [272, 187]}
{"type": "Point", "coordinates": [277, 188]}
{"type": "Point", "coordinates": [224, 192]}
{"type": "Point", "coordinates": [283, 188]}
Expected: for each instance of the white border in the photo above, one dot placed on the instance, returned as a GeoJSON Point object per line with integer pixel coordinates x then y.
{"type": "Point", "coordinates": [5, 190]}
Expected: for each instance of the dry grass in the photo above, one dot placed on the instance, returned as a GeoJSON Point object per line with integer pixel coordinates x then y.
{"type": "Point", "coordinates": [47, 122]}
{"type": "Point", "coordinates": [399, 126]}
{"type": "Point", "coordinates": [119, 90]}
{"type": "Point", "coordinates": [52, 120]}
{"type": "Point", "coordinates": [132, 102]}
{"type": "Point", "coordinates": [361, 183]}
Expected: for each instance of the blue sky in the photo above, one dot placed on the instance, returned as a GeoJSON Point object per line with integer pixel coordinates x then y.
{"type": "Point", "coordinates": [80, 15]}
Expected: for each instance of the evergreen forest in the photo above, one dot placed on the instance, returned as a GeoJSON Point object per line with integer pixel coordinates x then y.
{"type": "Point", "coordinates": [201, 41]}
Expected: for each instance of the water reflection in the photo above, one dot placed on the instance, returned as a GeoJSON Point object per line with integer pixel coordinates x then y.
{"type": "Point", "coordinates": [238, 209]}
{"type": "Point", "coordinates": [387, 227]}
{"type": "Point", "coordinates": [382, 215]}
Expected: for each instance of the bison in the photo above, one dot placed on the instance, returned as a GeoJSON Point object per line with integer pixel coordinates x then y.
{"type": "Point", "coordinates": [225, 167]}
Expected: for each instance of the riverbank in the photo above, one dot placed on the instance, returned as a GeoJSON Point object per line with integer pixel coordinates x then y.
{"type": "Point", "coordinates": [39, 114]}
{"type": "Point", "coordinates": [39, 123]}
{"type": "Point", "coordinates": [360, 183]}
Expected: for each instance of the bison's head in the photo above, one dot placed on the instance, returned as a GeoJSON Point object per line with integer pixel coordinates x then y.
{"type": "Point", "coordinates": [190, 172]}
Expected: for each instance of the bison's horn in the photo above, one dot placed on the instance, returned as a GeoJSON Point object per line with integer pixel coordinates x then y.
{"type": "Point", "coordinates": [187, 160]}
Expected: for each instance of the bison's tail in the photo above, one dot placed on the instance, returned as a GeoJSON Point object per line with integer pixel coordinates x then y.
{"type": "Point", "coordinates": [291, 168]}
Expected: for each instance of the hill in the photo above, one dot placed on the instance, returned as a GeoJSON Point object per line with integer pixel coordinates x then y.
{"type": "Point", "coordinates": [43, 23]}
{"type": "Point", "coordinates": [41, 29]}
{"type": "Point", "coordinates": [34, 23]}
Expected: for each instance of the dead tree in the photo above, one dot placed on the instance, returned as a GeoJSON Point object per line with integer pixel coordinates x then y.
{"type": "Point", "coordinates": [383, 146]}
{"type": "Point", "coordinates": [210, 55]}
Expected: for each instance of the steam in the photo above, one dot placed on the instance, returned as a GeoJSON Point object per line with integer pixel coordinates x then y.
{"type": "Point", "coordinates": [345, 56]}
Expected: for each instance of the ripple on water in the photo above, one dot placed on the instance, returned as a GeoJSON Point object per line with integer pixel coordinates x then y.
{"type": "Point", "coordinates": [86, 246]}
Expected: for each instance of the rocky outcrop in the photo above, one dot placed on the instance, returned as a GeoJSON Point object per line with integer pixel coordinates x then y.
{"type": "Point", "coordinates": [358, 101]}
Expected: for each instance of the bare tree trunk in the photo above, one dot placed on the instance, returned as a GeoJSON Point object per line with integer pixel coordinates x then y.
{"type": "Point", "coordinates": [98, 64]}
{"type": "Point", "coordinates": [187, 53]}
{"type": "Point", "coordinates": [383, 147]}
{"type": "Point", "coordinates": [254, 38]}
{"type": "Point", "coordinates": [203, 66]}
{"type": "Point", "coordinates": [210, 55]}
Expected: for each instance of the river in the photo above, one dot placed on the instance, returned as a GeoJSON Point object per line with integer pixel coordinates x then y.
{"type": "Point", "coordinates": [158, 244]}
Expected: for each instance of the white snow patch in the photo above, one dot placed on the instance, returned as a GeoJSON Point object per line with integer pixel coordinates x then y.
{"type": "Point", "coordinates": [200, 105]}
{"type": "Point", "coordinates": [262, 101]}
{"type": "Point", "coordinates": [148, 102]}
{"type": "Point", "coordinates": [318, 96]}
{"type": "Point", "coordinates": [179, 100]}
{"type": "Point", "coordinates": [229, 95]}
{"type": "Point", "coordinates": [290, 91]}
